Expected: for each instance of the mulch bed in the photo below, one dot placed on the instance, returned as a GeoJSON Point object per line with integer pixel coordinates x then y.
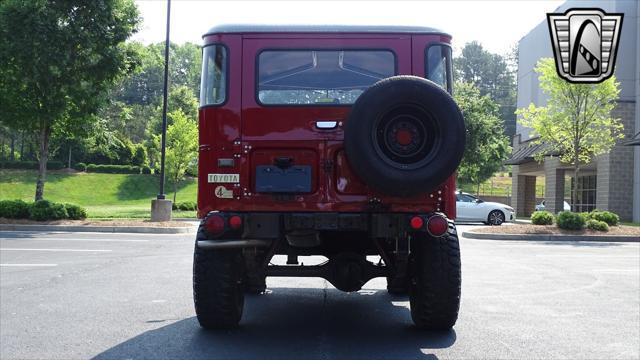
{"type": "Point", "coordinates": [132, 222]}
{"type": "Point", "coordinates": [552, 229]}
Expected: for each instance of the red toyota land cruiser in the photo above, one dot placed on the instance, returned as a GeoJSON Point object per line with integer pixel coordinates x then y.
{"type": "Point", "coordinates": [339, 141]}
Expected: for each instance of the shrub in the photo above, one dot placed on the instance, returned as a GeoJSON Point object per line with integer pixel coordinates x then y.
{"type": "Point", "coordinates": [597, 225]}
{"type": "Point", "coordinates": [185, 206]}
{"type": "Point", "coordinates": [113, 169]}
{"type": "Point", "coordinates": [14, 209]}
{"type": "Point", "coordinates": [75, 212]}
{"type": "Point", "coordinates": [140, 156]}
{"type": "Point", "coordinates": [80, 166]}
{"type": "Point", "coordinates": [47, 210]}
{"type": "Point", "coordinates": [585, 215]}
{"type": "Point", "coordinates": [31, 165]}
{"type": "Point", "coordinates": [188, 206]}
{"type": "Point", "coordinates": [145, 169]}
{"type": "Point", "coordinates": [570, 221]}
{"type": "Point", "coordinates": [612, 219]}
{"type": "Point", "coordinates": [542, 218]}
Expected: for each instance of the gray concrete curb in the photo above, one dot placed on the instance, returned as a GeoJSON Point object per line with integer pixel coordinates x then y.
{"type": "Point", "coordinates": [105, 229]}
{"type": "Point", "coordinates": [548, 237]}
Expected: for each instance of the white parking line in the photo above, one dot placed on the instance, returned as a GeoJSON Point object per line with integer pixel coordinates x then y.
{"type": "Point", "coordinates": [35, 265]}
{"type": "Point", "coordinates": [74, 250]}
{"type": "Point", "coordinates": [74, 239]}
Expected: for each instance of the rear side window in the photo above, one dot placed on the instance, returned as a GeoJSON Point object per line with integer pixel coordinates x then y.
{"type": "Point", "coordinates": [438, 65]}
{"type": "Point", "coordinates": [317, 77]}
{"type": "Point", "coordinates": [213, 86]}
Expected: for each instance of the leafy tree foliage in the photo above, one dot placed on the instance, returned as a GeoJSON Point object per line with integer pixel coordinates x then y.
{"type": "Point", "coordinates": [182, 148]}
{"type": "Point", "coordinates": [576, 122]}
{"type": "Point", "coordinates": [493, 74]}
{"type": "Point", "coordinates": [57, 59]}
{"type": "Point", "coordinates": [487, 146]}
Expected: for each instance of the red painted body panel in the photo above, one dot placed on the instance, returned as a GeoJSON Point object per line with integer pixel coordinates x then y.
{"type": "Point", "coordinates": [253, 134]}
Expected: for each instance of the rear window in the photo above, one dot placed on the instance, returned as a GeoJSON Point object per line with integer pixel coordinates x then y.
{"type": "Point", "coordinates": [329, 77]}
{"type": "Point", "coordinates": [438, 65]}
{"type": "Point", "coordinates": [213, 86]}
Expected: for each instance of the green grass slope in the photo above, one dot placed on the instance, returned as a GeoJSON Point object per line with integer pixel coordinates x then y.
{"type": "Point", "coordinates": [104, 195]}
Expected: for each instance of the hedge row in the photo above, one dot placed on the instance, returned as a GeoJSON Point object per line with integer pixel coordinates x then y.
{"type": "Point", "coordinates": [41, 210]}
{"type": "Point", "coordinates": [94, 168]}
{"type": "Point", "coordinates": [30, 165]}
{"type": "Point", "coordinates": [595, 220]}
{"type": "Point", "coordinates": [113, 169]}
{"type": "Point", "coordinates": [185, 206]}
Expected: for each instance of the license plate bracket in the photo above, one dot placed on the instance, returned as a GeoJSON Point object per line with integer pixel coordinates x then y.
{"type": "Point", "coordinates": [293, 179]}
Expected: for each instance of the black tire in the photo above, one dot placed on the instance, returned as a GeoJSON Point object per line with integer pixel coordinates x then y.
{"type": "Point", "coordinates": [255, 286]}
{"type": "Point", "coordinates": [436, 281]}
{"type": "Point", "coordinates": [397, 286]}
{"type": "Point", "coordinates": [495, 218]}
{"type": "Point", "coordinates": [217, 286]}
{"type": "Point", "coordinates": [405, 135]}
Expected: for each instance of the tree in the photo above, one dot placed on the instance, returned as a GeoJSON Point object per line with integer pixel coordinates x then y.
{"type": "Point", "coordinates": [493, 74]}
{"type": "Point", "coordinates": [576, 122]}
{"type": "Point", "coordinates": [486, 146]}
{"type": "Point", "coordinates": [57, 59]}
{"type": "Point", "coordinates": [182, 147]}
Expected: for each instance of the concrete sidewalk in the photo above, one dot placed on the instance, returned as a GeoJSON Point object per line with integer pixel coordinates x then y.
{"type": "Point", "coordinates": [550, 237]}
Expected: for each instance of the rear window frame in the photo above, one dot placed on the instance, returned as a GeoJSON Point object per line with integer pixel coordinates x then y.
{"type": "Point", "coordinates": [449, 74]}
{"type": "Point", "coordinates": [227, 75]}
{"type": "Point", "coordinates": [257, 72]}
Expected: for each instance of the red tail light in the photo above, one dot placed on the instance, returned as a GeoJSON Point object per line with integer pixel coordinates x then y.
{"type": "Point", "coordinates": [235, 222]}
{"type": "Point", "coordinates": [214, 224]}
{"type": "Point", "coordinates": [437, 225]}
{"type": "Point", "coordinates": [416, 223]}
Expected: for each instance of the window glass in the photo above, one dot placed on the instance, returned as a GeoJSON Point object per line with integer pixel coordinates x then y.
{"type": "Point", "coordinates": [302, 77]}
{"type": "Point", "coordinates": [214, 75]}
{"type": "Point", "coordinates": [438, 65]}
{"type": "Point", "coordinates": [466, 198]}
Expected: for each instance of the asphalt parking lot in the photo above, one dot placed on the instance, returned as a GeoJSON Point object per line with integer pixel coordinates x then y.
{"type": "Point", "coordinates": [126, 296]}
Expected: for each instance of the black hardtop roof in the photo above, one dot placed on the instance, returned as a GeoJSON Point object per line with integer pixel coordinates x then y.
{"type": "Point", "coordinates": [264, 28]}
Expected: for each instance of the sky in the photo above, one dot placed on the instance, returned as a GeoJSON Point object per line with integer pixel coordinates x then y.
{"type": "Point", "coordinates": [498, 25]}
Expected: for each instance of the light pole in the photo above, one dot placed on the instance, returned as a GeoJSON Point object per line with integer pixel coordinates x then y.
{"type": "Point", "coordinates": [161, 207]}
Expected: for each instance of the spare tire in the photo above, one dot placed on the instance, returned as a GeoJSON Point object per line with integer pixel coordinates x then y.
{"type": "Point", "coordinates": [405, 136]}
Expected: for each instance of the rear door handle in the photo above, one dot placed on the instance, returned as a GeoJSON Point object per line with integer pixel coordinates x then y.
{"type": "Point", "coordinates": [326, 124]}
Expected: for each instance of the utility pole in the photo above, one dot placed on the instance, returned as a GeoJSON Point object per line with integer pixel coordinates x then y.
{"type": "Point", "coordinates": [161, 207]}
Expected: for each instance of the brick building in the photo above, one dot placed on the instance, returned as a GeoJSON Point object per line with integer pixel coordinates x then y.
{"type": "Point", "coordinates": [610, 182]}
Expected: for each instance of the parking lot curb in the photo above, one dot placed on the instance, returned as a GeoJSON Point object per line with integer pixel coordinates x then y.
{"type": "Point", "coordinates": [550, 237]}
{"type": "Point", "coordinates": [104, 229]}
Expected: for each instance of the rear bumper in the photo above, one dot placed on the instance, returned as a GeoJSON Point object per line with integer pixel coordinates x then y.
{"type": "Point", "coordinates": [273, 225]}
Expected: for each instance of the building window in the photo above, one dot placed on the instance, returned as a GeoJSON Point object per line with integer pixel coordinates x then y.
{"type": "Point", "coordinates": [586, 195]}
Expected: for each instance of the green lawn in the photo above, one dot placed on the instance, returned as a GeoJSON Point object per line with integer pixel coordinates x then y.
{"type": "Point", "coordinates": [104, 195]}
{"type": "Point", "coordinates": [499, 185]}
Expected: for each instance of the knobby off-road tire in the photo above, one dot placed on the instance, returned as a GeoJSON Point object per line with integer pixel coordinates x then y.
{"type": "Point", "coordinates": [405, 135]}
{"type": "Point", "coordinates": [397, 286]}
{"type": "Point", "coordinates": [217, 286]}
{"type": "Point", "coordinates": [435, 281]}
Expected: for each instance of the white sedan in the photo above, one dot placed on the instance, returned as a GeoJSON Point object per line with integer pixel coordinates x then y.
{"type": "Point", "coordinates": [470, 208]}
{"type": "Point", "coordinates": [542, 206]}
